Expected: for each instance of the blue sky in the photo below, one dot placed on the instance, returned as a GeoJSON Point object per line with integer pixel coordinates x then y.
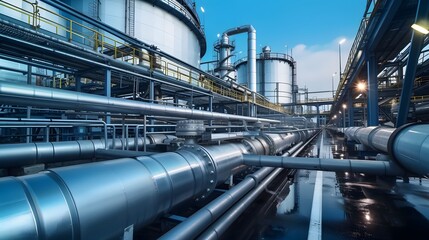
{"type": "Point", "coordinates": [311, 28]}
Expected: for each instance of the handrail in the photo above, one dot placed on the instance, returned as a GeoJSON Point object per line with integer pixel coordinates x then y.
{"type": "Point", "coordinates": [76, 32]}
{"type": "Point", "coordinates": [352, 55]}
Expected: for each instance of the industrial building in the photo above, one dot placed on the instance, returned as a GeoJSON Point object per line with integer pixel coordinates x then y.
{"type": "Point", "coordinates": [109, 128]}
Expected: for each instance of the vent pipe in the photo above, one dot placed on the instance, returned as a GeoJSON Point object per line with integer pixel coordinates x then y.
{"type": "Point", "coordinates": [251, 51]}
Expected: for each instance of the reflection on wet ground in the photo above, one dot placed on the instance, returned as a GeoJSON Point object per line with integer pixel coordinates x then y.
{"type": "Point", "coordinates": [354, 206]}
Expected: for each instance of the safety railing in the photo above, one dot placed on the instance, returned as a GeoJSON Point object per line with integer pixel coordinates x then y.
{"type": "Point", "coordinates": [40, 17]}
{"type": "Point", "coordinates": [316, 100]}
{"type": "Point", "coordinates": [352, 55]}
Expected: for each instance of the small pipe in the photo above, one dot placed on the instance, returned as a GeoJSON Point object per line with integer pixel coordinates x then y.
{"type": "Point", "coordinates": [385, 168]}
{"type": "Point", "coordinates": [195, 224]}
{"type": "Point", "coordinates": [222, 224]}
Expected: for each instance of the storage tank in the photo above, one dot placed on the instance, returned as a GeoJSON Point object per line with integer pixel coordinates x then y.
{"type": "Point", "coordinates": [274, 75]}
{"type": "Point", "coordinates": [172, 26]}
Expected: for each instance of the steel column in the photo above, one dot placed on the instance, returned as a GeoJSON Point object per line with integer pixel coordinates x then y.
{"type": "Point", "coordinates": [28, 131]}
{"type": "Point", "coordinates": [350, 110]}
{"type": "Point", "coordinates": [78, 83]}
{"type": "Point", "coordinates": [318, 115]}
{"type": "Point", "coordinates": [108, 89]}
{"type": "Point", "coordinates": [372, 90]}
{"type": "Point", "coordinates": [152, 91]}
{"type": "Point", "coordinates": [413, 57]}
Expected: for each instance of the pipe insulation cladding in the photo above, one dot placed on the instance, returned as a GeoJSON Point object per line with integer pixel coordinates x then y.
{"type": "Point", "coordinates": [28, 95]}
{"type": "Point", "coordinates": [408, 145]}
{"type": "Point", "coordinates": [103, 199]}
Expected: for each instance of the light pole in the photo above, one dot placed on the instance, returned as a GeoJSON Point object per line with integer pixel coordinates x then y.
{"type": "Point", "coordinates": [333, 75]}
{"type": "Point", "coordinates": [339, 55]}
{"type": "Point", "coordinates": [203, 11]}
{"type": "Point", "coordinates": [344, 115]}
{"type": "Point", "coordinates": [361, 86]}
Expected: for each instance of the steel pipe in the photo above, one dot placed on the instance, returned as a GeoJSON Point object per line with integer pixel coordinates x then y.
{"type": "Point", "coordinates": [251, 51]}
{"type": "Point", "coordinates": [362, 166]}
{"type": "Point", "coordinates": [220, 227]}
{"type": "Point", "coordinates": [22, 154]}
{"type": "Point", "coordinates": [408, 145]}
{"type": "Point", "coordinates": [62, 99]}
{"type": "Point", "coordinates": [195, 224]}
{"type": "Point", "coordinates": [222, 224]}
{"type": "Point", "coordinates": [75, 201]}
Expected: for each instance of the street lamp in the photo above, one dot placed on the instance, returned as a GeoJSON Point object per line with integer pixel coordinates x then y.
{"type": "Point", "coordinates": [333, 75]}
{"type": "Point", "coordinates": [361, 86]}
{"type": "Point", "coordinates": [344, 115]}
{"type": "Point", "coordinates": [420, 29]}
{"type": "Point", "coordinates": [339, 54]}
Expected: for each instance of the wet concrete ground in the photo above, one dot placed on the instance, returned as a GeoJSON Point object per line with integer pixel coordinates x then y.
{"type": "Point", "coordinates": [353, 206]}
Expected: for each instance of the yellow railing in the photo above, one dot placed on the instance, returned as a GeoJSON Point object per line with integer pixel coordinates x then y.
{"type": "Point", "coordinates": [42, 18]}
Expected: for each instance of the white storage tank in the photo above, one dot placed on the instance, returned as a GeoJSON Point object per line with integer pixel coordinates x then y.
{"type": "Point", "coordinates": [172, 26]}
{"type": "Point", "coordinates": [274, 75]}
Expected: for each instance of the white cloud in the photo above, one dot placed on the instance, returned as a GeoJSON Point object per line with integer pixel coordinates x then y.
{"type": "Point", "coordinates": [317, 63]}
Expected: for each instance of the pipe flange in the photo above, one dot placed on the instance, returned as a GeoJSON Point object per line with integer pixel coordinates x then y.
{"type": "Point", "coordinates": [190, 128]}
{"type": "Point", "coordinates": [249, 147]}
{"type": "Point", "coordinates": [271, 144]}
{"type": "Point", "coordinates": [210, 168]}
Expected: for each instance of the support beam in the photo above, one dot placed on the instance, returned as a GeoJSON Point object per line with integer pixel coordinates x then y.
{"type": "Point", "coordinates": [108, 90]}
{"type": "Point", "coordinates": [318, 115]}
{"type": "Point", "coordinates": [78, 83]}
{"type": "Point", "coordinates": [413, 57]}
{"type": "Point", "coordinates": [152, 91]}
{"type": "Point", "coordinates": [372, 90]}
{"type": "Point", "coordinates": [28, 131]}
{"type": "Point", "coordinates": [350, 110]}
{"type": "Point", "coordinates": [211, 108]}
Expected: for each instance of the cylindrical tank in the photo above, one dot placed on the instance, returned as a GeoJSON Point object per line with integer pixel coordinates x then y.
{"type": "Point", "coordinates": [225, 68]}
{"type": "Point", "coordinates": [172, 26]}
{"type": "Point", "coordinates": [274, 75]}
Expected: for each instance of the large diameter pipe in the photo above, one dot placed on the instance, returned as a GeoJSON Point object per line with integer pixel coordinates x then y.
{"type": "Point", "coordinates": [98, 200]}
{"type": "Point", "coordinates": [409, 145]}
{"type": "Point", "coordinates": [29, 95]}
{"type": "Point", "coordinates": [74, 202]}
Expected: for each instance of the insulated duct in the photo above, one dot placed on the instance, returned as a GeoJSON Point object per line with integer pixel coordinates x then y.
{"type": "Point", "coordinates": [408, 145]}
{"type": "Point", "coordinates": [29, 95]}
{"type": "Point", "coordinates": [104, 200]}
